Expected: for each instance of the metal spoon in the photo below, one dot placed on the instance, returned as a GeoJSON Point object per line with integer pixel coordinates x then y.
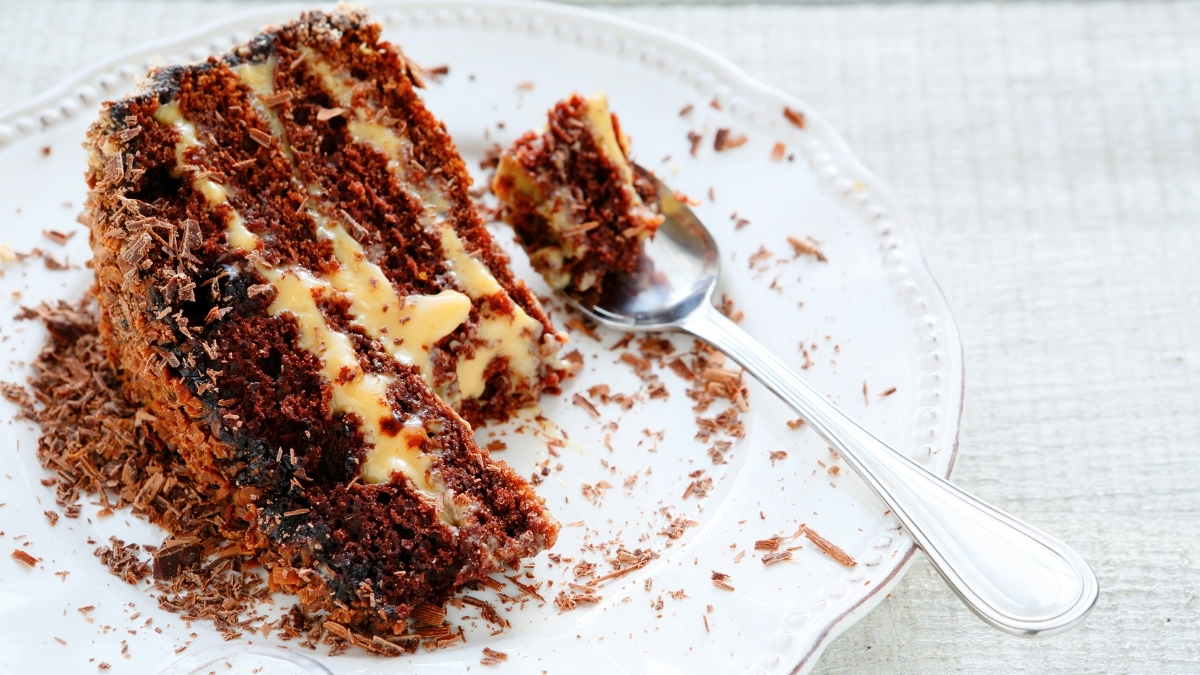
{"type": "Point", "coordinates": [1014, 576]}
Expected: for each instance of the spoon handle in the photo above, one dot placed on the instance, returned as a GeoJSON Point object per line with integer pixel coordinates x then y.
{"type": "Point", "coordinates": [1014, 576]}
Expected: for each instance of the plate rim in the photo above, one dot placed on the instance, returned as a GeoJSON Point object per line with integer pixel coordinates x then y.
{"type": "Point", "coordinates": [43, 110]}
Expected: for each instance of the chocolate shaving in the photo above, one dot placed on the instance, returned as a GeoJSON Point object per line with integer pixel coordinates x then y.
{"type": "Point", "coordinates": [60, 238]}
{"type": "Point", "coordinates": [122, 560]}
{"type": "Point", "coordinates": [771, 544]}
{"type": "Point", "coordinates": [827, 546]}
{"type": "Point", "coordinates": [719, 579]}
{"type": "Point", "coordinates": [802, 247]}
{"type": "Point", "coordinates": [568, 601]}
{"type": "Point", "coordinates": [175, 557]}
{"type": "Point", "coordinates": [276, 100]}
{"type": "Point", "coordinates": [356, 229]}
{"type": "Point", "coordinates": [777, 556]}
{"type": "Point", "coordinates": [429, 614]}
{"type": "Point", "coordinates": [727, 140]}
{"type": "Point", "coordinates": [259, 289]}
{"type": "Point", "coordinates": [487, 611]}
{"type": "Point", "coordinates": [795, 117]}
{"type": "Point", "coordinates": [326, 114]}
{"type": "Point", "coordinates": [586, 405]}
{"type": "Point", "coordinates": [491, 657]}
{"type": "Point", "coordinates": [259, 136]}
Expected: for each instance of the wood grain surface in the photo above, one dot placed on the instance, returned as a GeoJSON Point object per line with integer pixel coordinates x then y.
{"type": "Point", "coordinates": [1050, 154]}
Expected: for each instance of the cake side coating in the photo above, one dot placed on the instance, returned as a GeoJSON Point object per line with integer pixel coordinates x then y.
{"type": "Point", "coordinates": [251, 216]}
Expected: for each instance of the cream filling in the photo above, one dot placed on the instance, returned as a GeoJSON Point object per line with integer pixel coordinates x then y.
{"type": "Point", "coordinates": [260, 77]}
{"type": "Point", "coordinates": [407, 327]}
{"type": "Point", "coordinates": [396, 445]}
{"type": "Point", "coordinates": [214, 193]}
{"type": "Point", "coordinates": [598, 120]}
{"type": "Point", "coordinates": [514, 336]}
{"type": "Point", "coordinates": [502, 335]}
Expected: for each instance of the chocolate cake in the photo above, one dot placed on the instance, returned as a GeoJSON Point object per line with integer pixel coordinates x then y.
{"type": "Point", "coordinates": [295, 285]}
{"type": "Point", "coordinates": [572, 196]}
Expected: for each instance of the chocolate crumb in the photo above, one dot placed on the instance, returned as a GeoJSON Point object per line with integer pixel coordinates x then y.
{"type": "Point", "coordinates": [24, 558]}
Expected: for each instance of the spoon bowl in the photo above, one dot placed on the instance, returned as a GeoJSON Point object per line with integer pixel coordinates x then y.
{"type": "Point", "coordinates": [1012, 575]}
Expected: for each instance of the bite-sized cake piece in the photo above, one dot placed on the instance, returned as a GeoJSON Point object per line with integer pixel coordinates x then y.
{"type": "Point", "coordinates": [576, 203]}
{"type": "Point", "coordinates": [295, 284]}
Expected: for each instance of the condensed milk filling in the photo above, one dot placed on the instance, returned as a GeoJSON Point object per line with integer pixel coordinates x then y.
{"type": "Point", "coordinates": [411, 325]}
{"type": "Point", "coordinates": [503, 332]}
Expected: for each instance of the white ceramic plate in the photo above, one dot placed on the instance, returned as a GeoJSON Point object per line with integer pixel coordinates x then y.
{"type": "Point", "coordinates": [873, 312]}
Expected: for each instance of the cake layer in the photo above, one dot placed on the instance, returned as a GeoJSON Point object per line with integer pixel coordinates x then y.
{"type": "Point", "coordinates": [579, 209]}
{"type": "Point", "coordinates": [296, 285]}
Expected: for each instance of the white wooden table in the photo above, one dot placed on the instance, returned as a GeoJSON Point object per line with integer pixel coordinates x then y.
{"type": "Point", "coordinates": [1050, 153]}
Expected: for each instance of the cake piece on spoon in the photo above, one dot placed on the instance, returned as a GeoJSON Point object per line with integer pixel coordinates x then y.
{"type": "Point", "coordinates": [579, 208]}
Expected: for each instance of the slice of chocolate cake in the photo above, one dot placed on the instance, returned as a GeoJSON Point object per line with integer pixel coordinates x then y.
{"type": "Point", "coordinates": [578, 207]}
{"type": "Point", "coordinates": [294, 283]}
